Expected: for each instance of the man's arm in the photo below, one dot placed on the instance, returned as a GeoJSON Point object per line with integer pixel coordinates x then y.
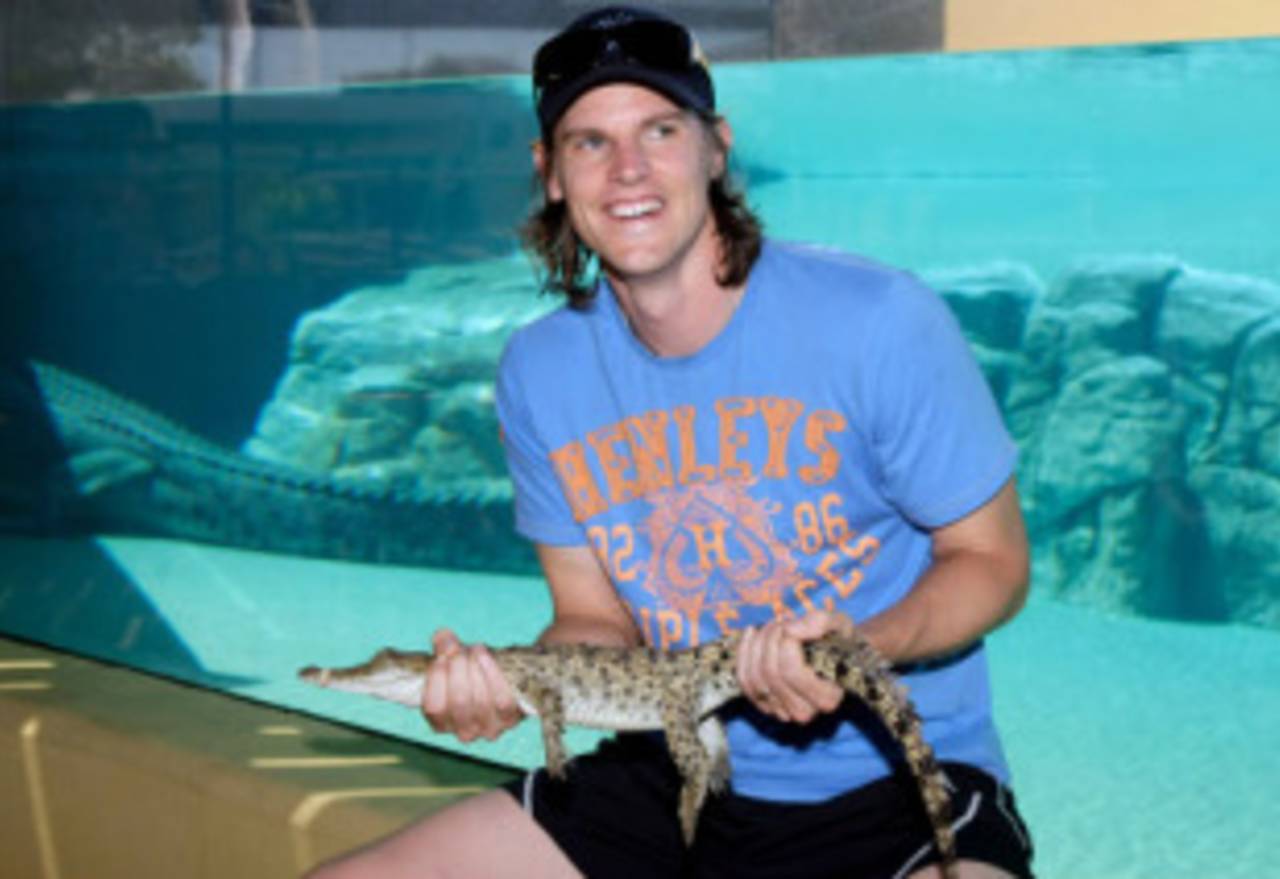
{"type": "Point", "coordinates": [586, 609]}
{"type": "Point", "coordinates": [466, 693]}
{"type": "Point", "coordinates": [978, 580]}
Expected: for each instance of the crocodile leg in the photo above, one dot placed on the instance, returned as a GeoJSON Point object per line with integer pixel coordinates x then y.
{"type": "Point", "coordinates": [550, 708]}
{"type": "Point", "coordinates": [680, 722]}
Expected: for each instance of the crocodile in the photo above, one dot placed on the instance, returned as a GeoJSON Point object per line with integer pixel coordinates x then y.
{"type": "Point", "coordinates": [125, 469]}
{"type": "Point", "coordinates": [677, 692]}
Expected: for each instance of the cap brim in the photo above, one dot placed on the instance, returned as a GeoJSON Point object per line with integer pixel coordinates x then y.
{"type": "Point", "coordinates": [673, 87]}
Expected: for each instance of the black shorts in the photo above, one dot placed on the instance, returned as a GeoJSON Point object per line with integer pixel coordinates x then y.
{"type": "Point", "coordinates": [614, 815]}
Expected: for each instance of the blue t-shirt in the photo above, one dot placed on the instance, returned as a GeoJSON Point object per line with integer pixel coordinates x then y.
{"type": "Point", "coordinates": [795, 462]}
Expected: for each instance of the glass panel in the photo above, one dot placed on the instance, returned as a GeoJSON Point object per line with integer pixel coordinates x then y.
{"type": "Point", "coordinates": [248, 344]}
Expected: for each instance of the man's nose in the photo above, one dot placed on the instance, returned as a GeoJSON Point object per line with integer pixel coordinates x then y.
{"type": "Point", "coordinates": [630, 162]}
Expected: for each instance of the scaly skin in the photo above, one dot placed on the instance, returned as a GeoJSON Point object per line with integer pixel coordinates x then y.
{"type": "Point", "coordinates": [129, 470]}
{"type": "Point", "coordinates": [678, 692]}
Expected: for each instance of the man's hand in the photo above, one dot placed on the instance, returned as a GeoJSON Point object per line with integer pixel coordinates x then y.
{"type": "Point", "coordinates": [773, 673]}
{"type": "Point", "coordinates": [466, 693]}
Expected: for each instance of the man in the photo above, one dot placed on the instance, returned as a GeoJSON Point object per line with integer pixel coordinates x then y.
{"type": "Point", "coordinates": [728, 433]}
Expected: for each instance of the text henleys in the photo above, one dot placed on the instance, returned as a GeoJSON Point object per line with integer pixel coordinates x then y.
{"type": "Point", "coordinates": [711, 547]}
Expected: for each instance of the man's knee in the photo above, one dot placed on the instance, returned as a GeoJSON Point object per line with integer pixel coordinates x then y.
{"type": "Point", "coordinates": [964, 870]}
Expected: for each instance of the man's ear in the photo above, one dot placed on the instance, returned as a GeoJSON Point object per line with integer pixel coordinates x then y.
{"type": "Point", "coordinates": [542, 167]}
{"type": "Point", "coordinates": [724, 132]}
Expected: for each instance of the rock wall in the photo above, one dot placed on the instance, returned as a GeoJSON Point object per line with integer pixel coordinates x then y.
{"type": "Point", "coordinates": [1145, 397]}
{"type": "Point", "coordinates": [394, 385]}
{"type": "Point", "coordinates": [1143, 393]}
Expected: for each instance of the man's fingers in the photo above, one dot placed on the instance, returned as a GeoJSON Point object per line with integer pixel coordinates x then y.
{"type": "Point", "coordinates": [504, 702]}
{"type": "Point", "coordinates": [750, 674]}
{"type": "Point", "coordinates": [812, 694]}
{"type": "Point", "coordinates": [483, 716]}
{"type": "Point", "coordinates": [776, 677]}
{"type": "Point", "coordinates": [789, 675]}
{"type": "Point", "coordinates": [759, 672]}
{"type": "Point", "coordinates": [444, 698]}
{"type": "Point", "coordinates": [435, 697]}
{"type": "Point", "coordinates": [445, 643]}
{"type": "Point", "coordinates": [461, 697]}
{"type": "Point", "coordinates": [466, 693]}
{"type": "Point", "coordinates": [494, 707]}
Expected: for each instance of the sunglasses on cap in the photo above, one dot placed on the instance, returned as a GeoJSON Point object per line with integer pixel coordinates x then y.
{"type": "Point", "coordinates": [655, 44]}
{"type": "Point", "coordinates": [619, 45]}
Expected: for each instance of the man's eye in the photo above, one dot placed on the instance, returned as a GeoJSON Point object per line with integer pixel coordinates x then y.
{"type": "Point", "coordinates": [589, 142]}
{"type": "Point", "coordinates": [663, 130]}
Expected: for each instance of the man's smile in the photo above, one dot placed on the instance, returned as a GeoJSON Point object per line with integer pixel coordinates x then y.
{"type": "Point", "coordinates": [634, 209]}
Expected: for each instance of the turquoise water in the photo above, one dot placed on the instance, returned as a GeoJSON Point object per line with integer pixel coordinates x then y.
{"type": "Point", "coordinates": [1140, 748]}
{"type": "Point", "coordinates": [1101, 221]}
{"type": "Point", "coordinates": [1038, 157]}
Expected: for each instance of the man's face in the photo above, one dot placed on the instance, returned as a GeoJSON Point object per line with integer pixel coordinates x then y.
{"type": "Point", "coordinates": [633, 169]}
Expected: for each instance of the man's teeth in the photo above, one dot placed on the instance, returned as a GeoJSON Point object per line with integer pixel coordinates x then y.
{"type": "Point", "coordinates": [637, 209]}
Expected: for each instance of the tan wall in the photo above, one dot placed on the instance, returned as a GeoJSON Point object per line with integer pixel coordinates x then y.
{"type": "Point", "coordinates": [975, 25]}
{"type": "Point", "coordinates": [110, 774]}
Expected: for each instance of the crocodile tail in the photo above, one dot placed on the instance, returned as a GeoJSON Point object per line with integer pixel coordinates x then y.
{"type": "Point", "coordinates": [860, 670]}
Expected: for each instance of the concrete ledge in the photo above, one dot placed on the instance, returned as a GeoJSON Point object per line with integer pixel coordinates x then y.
{"type": "Point", "coordinates": [106, 772]}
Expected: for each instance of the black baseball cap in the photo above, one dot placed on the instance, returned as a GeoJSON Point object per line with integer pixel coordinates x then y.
{"type": "Point", "coordinates": [620, 44]}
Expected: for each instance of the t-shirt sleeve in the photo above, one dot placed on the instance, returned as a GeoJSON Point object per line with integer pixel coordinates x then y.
{"type": "Point", "coordinates": [943, 447]}
{"type": "Point", "coordinates": [542, 513]}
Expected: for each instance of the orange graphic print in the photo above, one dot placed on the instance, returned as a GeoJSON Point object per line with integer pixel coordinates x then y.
{"type": "Point", "coordinates": [703, 551]}
{"type": "Point", "coordinates": [714, 545]}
